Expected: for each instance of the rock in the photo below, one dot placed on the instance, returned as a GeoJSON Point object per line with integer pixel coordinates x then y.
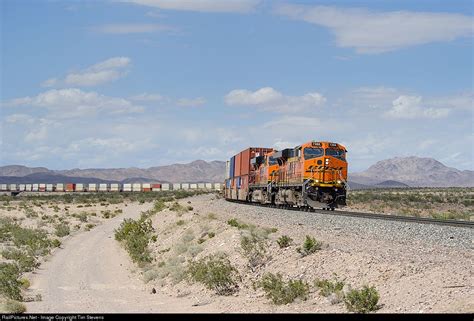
{"type": "Point", "coordinates": [333, 298]}
{"type": "Point", "coordinates": [153, 291]}
{"type": "Point", "coordinates": [346, 289]}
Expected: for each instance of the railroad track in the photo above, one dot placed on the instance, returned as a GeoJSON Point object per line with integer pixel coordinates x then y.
{"type": "Point", "coordinates": [422, 220]}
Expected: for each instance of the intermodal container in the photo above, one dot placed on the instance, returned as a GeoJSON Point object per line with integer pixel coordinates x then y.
{"type": "Point", "coordinates": [146, 187]}
{"type": "Point", "coordinates": [79, 187]}
{"type": "Point", "coordinates": [21, 187]}
{"type": "Point", "coordinates": [217, 186]}
{"type": "Point", "coordinates": [70, 187]}
{"type": "Point", "coordinates": [102, 187]}
{"type": "Point", "coordinates": [59, 187]}
{"type": "Point", "coordinates": [209, 185]}
{"type": "Point", "coordinates": [176, 186]}
{"type": "Point", "coordinates": [137, 187]}
{"type": "Point", "coordinates": [201, 185]}
{"type": "Point", "coordinates": [127, 187]}
{"type": "Point", "coordinates": [114, 187]}
{"type": "Point", "coordinates": [232, 163]}
{"type": "Point", "coordinates": [92, 187]}
{"type": "Point", "coordinates": [155, 185]}
{"type": "Point", "coordinates": [3, 187]}
{"type": "Point", "coordinates": [185, 185]}
{"type": "Point", "coordinates": [12, 187]}
{"type": "Point", "coordinates": [193, 186]}
{"type": "Point", "coordinates": [28, 187]}
{"type": "Point", "coordinates": [227, 169]}
{"type": "Point", "coordinates": [35, 187]}
{"type": "Point", "coordinates": [238, 158]}
{"type": "Point", "coordinates": [42, 188]}
{"type": "Point", "coordinates": [165, 187]}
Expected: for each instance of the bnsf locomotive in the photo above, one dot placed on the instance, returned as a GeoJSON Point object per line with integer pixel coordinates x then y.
{"type": "Point", "coordinates": [311, 175]}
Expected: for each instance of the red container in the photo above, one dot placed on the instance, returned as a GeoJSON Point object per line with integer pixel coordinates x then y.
{"type": "Point", "coordinates": [155, 185]}
{"type": "Point", "coordinates": [70, 187]}
{"type": "Point", "coordinates": [247, 155]}
{"type": "Point", "coordinates": [238, 158]}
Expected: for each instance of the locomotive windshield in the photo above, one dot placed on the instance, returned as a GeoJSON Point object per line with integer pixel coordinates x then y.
{"type": "Point", "coordinates": [338, 153]}
{"type": "Point", "coordinates": [272, 161]}
{"type": "Point", "coordinates": [312, 152]}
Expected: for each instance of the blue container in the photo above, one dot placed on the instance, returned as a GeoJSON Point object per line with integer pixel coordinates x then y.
{"type": "Point", "coordinates": [232, 164]}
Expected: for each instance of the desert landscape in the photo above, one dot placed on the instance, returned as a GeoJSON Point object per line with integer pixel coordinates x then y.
{"type": "Point", "coordinates": [179, 252]}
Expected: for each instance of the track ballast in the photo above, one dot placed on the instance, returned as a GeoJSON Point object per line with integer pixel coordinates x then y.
{"type": "Point", "coordinates": [412, 219]}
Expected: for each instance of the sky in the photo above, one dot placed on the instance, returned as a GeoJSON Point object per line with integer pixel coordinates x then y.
{"type": "Point", "coordinates": [141, 83]}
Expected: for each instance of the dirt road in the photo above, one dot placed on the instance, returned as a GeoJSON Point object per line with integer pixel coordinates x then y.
{"type": "Point", "coordinates": [92, 273]}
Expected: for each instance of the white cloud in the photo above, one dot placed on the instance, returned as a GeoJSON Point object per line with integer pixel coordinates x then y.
{"type": "Point", "coordinates": [269, 99]}
{"type": "Point", "coordinates": [127, 28]}
{"type": "Point", "coordinates": [73, 102]}
{"type": "Point", "coordinates": [145, 97]}
{"type": "Point", "coordinates": [20, 119]}
{"type": "Point", "coordinates": [410, 107]}
{"type": "Point", "coordinates": [186, 102]}
{"type": "Point", "coordinates": [97, 74]}
{"type": "Point", "coordinates": [463, 101]}
{"type": "Point", "coordinates": [375, 32]}
{"type": "Point", "coordinates": [239, 6]}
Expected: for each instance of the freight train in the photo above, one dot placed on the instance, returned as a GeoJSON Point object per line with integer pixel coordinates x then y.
{"type": "Point", "coordinates": [311, 175]}
{"type": "Point", "coordinates": [114, 187]}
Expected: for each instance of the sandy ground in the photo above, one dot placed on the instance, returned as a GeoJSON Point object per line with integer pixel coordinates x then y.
{"type": "Point", "coordinates": [411, 268]}
{"type": "Point", "coordinates": [92, 273]}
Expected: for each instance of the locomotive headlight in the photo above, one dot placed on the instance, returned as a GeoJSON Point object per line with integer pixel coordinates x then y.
{"type": "Point", "coordinates": [316, 180]}
{"type": "Point", "coordinates": [339, 181]}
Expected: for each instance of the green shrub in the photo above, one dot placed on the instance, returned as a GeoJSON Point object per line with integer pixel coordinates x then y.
{"type": "Point", "coordinates": [281, 292]}
{"type": "Point", "coordinates": [254, 247]}
{"type": "Point", "coordinates": [235, 223]}
{"type": "Point", "coordinates": [25, 283]}
{"type": "Point", "coordinates": [25, 261]}
{"type": "Point", "coordinates": [216, 273]}
{"type": "Point", "coordinates": [62, 230]}
{"type": "Point", "coordinates": [9, 281]}
{"type": "Point", "coordinates": [178, 208]}
{"type": "Point", "coordinates": [12, 306]}
{"type": "Point", "coordinates": [362, 301]}
{"type": "Point", "coordinates": [284, 241]}
{"type": "Point", "coordinates": [82, 217]}
{"type": "Point", "coordinates": [35, 240]}
{"type": "Point", "coordinates": [135, 236]}
{"type": "Point", "coordinates": [326, 287]}
{"type": "Point", "coordinates": [211, 234]}
{"type": "Point", "coordinates": [159, 206]}
{"type": "Point", "coordinates": [180, 222]}
{"type": "Point", "coordinates": [310, 246]}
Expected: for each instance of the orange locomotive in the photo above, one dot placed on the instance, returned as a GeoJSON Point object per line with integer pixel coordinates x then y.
{"type": "Point", "coordinates": [313, 174]}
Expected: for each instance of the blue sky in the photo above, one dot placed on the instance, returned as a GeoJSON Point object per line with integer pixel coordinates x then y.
{"type": "Point", "coordinates": [153, 82]}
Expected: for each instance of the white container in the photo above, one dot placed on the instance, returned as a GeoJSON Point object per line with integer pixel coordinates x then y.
{"type": "Point", "coordinates": [3, 187]}
{"type": "Point", "coordinates": [102, 187]}
{"type": "Point", "coordinates": [127, 187]}
{"type": "Point", "coordinates": [21, 187]}
{"type": "Point", "coordinates": [28, 187]}
{"type": "Point", "coordinates": [60, 187]}
{"type": "Point", "coordinates": [209, 185]}
{"type": "Point", "coordinates": [79, 187]}
{"type": "Point", "coordinates": [227, 169]}
{"type": "Point", "coordinates": [114, 187]}
{"type": "Point", "coordinates": [184, 185]}
{"type": "Point", "coordinates": [12, 187]}
{"type": "Point", "coordinates": [193, 186]}
{"type": "Point", "coordinates": [146, 185]}
{"type": "Point", "coordinates": [176, 186]}
{"type": "Point", "coordinates": [35, 187]}
{"type": "Point", "coordinates": [92, 187]}
{"type": "Point", "coordinates": [201, 185]}
{"type": "Point", "coordinates": [49, 187]}
{"type": "Point", "coordinates": [42, 187]}
{"type": "Point", "coordinates": [137, 187]}
{"type": "Point", "coordinates": [217, 186]}
{"type": "Point", "coordinates": [165, 187]}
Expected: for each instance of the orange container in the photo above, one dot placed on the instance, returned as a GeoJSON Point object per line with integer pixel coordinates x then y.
{"type": "Point", "coordinates": [146, 189]}
{"type": "Point", "coordinates": [155, 185]}
{"type": "Point", "coordinates": [238, 159]}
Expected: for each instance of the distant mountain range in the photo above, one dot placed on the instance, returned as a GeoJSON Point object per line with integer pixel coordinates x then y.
{"type": "Point", "coordinates": [194, 172]}
{"type": "Point", "coordinates": [395, 172]}
{"type": "Point", "coordinates": [413, 171]}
